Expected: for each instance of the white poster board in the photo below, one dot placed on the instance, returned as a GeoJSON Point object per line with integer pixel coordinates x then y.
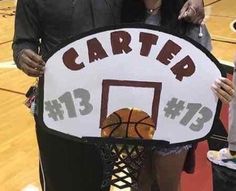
{"type": "Point", "coordinates": [166, 76]}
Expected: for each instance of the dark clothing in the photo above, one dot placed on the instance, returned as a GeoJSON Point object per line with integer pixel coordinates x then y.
{"type": "Point", "coordinates": [68, 165]}
{"type": "Point", "coordinates": [41, 25]}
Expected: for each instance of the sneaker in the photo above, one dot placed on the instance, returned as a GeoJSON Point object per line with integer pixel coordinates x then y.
{"type": "Point", "coordinates": [222, 158]}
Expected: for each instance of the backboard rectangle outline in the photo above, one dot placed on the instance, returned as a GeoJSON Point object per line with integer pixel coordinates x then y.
{"type": "Point", "coordinates": [106, 84]}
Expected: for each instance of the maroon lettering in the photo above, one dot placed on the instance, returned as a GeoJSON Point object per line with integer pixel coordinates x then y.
{"type": "Point", "coordinates": [120, 41]}
{"type": "Point", "coordinates": [69, 60]}
{"type": "Point", "coordinates": [147, 41]}
{"type": "Point", "coordinates": [167, 52]}
{"type": "Point", "coordinates": [95, 50]}
{"type": "Point", "coordinates": [185, 67]}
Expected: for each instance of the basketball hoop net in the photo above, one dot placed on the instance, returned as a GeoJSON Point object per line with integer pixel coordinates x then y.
{"type": "Point", "coordinates": [121, 161]}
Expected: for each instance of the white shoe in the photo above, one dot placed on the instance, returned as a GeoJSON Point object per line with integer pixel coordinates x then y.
{"type": "Point", "coordinates": [222, 158]}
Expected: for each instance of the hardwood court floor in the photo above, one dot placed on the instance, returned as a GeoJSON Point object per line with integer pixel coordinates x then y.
{"type": "Point", "coordinates": [220, 14]}
{"type": "Point", "coordinates": [18, 148]}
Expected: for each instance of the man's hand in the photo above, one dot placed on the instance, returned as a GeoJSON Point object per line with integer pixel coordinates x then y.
{"type": "Point", "coordinates": [193, 11]}
{"type": "Point", "coordinates": [31, 63]}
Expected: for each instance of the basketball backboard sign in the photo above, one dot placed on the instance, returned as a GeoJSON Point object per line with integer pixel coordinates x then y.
{"type": "Point", "coordinates": [95, 74]}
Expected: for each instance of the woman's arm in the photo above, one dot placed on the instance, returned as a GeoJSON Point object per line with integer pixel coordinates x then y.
{"type": "Point", "coordinates": [224, 89]}
{"type": "Point", "coordinates": [193, 11]}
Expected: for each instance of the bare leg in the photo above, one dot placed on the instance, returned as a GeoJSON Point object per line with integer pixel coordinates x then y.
{"type": "Point", "coordinates": [168, 170]}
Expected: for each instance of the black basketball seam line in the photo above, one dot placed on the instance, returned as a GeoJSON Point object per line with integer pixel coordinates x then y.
{"type": "Point", "coordinates": [144, 118]}
{"type": "Point", "coordinates": [120, 121]}
{"type": "Point", "coordinates": [136, 129]}
{"type": "Point", "coordinates": [115, 113]}
{"type": "Point", "coordinates": [117, 124]}
{"type": "Point", "coordinates": [127, 126]}
{"type": "Point", "coordinates": [140, 121]}
{"type": "Point", "coordinates": [130, 123]}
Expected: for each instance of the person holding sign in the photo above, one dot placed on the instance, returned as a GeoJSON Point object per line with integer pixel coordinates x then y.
{"type": "Point", "coordinates": [166, 164]}
{"type": "Point", "coordinates": [33, 19]}
{"type": "Point", "coordinates": [38, 30]}
{"type": "Point", "coordinates": [192, 11]}
{"type": "Point", "coordinates": [39, 27]}
{"type": "Point", "coordinates": [227, 156]}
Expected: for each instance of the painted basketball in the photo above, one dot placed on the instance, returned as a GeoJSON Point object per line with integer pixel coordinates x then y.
{"type": "Point", "coordinates": [128, 123]}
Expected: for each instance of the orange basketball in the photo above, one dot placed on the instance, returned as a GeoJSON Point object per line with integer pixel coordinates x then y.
{"type": "Point", "coordinates": [128, 123]}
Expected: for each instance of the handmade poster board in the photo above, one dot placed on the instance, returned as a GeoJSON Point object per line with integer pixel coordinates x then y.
{"type": "Point", "coordinates": [133, 66]}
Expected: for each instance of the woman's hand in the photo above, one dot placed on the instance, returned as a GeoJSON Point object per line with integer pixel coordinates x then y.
{"type": "Point", "coordinates": [31, 63]}
{"type": "Point", "coordinates": [192, 11]}
{"type": "Point", "coordinates": [224, 89]}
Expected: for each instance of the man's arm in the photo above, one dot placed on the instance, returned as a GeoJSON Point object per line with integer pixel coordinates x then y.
{"type": "Point", "coordinates": [26, 39]}
{"type": "Point", "coordinates": [193, 11]}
